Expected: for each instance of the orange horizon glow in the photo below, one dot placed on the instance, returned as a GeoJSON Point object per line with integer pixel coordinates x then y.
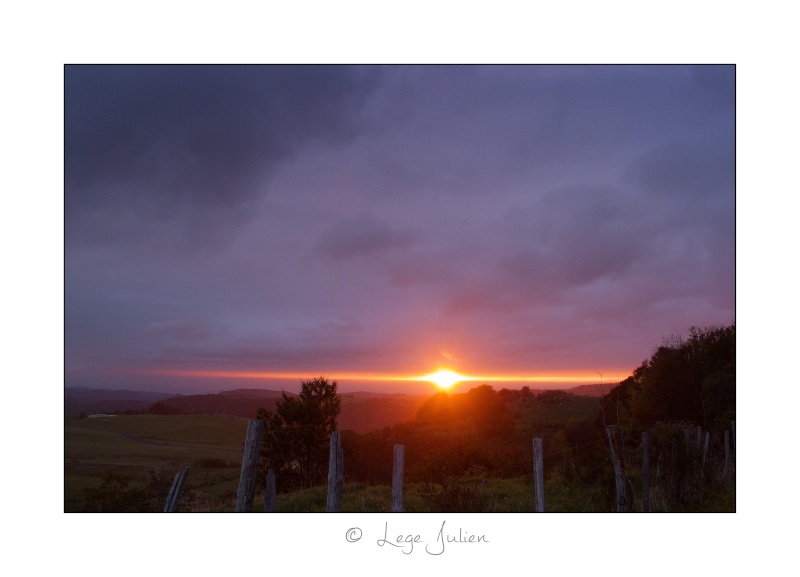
{"type": "Point", "coordinates": [442, 375]}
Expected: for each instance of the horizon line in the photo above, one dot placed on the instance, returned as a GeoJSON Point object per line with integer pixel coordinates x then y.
{"type": "Point", "coordinates": [256, 375]}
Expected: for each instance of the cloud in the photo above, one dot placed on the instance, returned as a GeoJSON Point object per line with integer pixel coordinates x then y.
{"type": "Point", "coordinates": [179, 329]}
{"type": "Point", "coordinates": [167, 143]}
{"type": "Point", "coordinates": [361, 236]}
{"type": "Point", "coordinates": [685, 172]}
{"type": "Point", "coordinates": [574, 236]}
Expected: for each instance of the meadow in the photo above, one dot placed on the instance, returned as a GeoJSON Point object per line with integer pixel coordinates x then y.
{"type": "Point", "coordinates": [134, 447]}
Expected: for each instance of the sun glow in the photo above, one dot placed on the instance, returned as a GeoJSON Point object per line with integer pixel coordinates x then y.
{"type": "Point", "coordinates": [444, 378]}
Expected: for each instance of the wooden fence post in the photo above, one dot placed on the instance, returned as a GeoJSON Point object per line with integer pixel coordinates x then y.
{"type": "Point", "coordinates": [645, 474]}
{"type": "Point", "coordinates": [733, 430]}
{"type": "Point", "coordinates": [705, 448]}
{"type": "Point", "coordinates": [727, 472]}
{"type": "Point", "coordinates": [397, 478]}
{"type": "Point", "coordinates": [538, 474]}
{"type": "Point", "coordinates": [175, 491]}
{"type": "Point", "coordinates": [619, 469]}
{"type": "Point", "coordinates": [247, 478]}
{"type": "Point", "coordinates": [339, 472]}
{"type": "Point", "coordinates": [335, 474]}
{"type": "Point", "coordinates": [270, 500]}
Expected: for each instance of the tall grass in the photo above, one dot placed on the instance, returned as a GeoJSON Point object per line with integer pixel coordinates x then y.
{"type": "Point", "coordinates": [477, 495]}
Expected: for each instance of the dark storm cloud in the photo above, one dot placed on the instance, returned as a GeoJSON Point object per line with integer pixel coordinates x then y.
{"type": "Point", "coordinates": [161, 143]}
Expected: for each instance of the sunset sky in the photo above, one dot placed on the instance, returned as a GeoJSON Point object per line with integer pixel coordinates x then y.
{"type": "Point", "coordinates": [233, 227]}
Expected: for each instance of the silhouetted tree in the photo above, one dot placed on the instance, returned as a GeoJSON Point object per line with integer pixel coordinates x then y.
{"type": "Point", "coordinates": [296, 436]}
{"type": "Point", "coordinates": [692, 380]}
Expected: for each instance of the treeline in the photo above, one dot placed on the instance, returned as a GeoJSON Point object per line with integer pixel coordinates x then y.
{"type": "Point", "coordinates": [690, 381]}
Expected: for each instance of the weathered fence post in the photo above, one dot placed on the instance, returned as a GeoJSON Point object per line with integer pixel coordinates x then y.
{"type": "Point", "coordinates": [538, 474]}
{"type": "Point", "coordinates": [270, 501]}
{"type": "Point", "coordinates": [645, 474]}
{"type": "Point", "coordinates": [733, 430]}
{"type": "Point", "coordinates": [335, 474]}
{"type": "Point", "coordinates": [705, 448]}
{"type": "Point", "coordinates": [397, 478]}
{"type": "Point", "coordinates": [727, 472]}
{"type": "Point", "coordinates": [247, 478]}
{"type": "Point", "coordinates": [175, 491]}
{"type": "Point", "coordinates": [339, 473]}
{"type": "Point", "coordinates": [619, 469]}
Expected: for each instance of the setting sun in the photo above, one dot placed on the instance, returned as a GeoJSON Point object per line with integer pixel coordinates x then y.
{"type": "Point", "coordinates": [444, 378]}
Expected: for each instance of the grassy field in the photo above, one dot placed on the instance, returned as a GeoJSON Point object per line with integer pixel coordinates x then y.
{"type": "Point", "coordinates": [473, 495]}
{"type": "Point", "coordinates": [478, 496]}
{"type": "Point", "coordinates": [135, 445]}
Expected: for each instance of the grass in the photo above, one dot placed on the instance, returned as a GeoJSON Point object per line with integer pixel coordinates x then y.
{"type": "Point", "coordinates": [479, 495]}
{"type": "Point", "coordinates": [135, 445]}
{"type": "Point", "coordinates": [476, 495]}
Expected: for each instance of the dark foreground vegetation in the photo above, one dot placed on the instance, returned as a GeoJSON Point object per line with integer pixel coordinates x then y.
{"type": "Point", "coordinates": [472, 452]}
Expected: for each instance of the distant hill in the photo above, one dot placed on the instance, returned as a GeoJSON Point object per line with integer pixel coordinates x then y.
{"type": "Point", "coordinates": [79, 400]}
{"type": "Point", "coordinates": [361, 411]}
{"type": "Point", "coordinates": [228, 403]}
{"type": "Point", "coordinates": [256, 393]}
{"type": "Point", "coordinates": [597, 390]}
